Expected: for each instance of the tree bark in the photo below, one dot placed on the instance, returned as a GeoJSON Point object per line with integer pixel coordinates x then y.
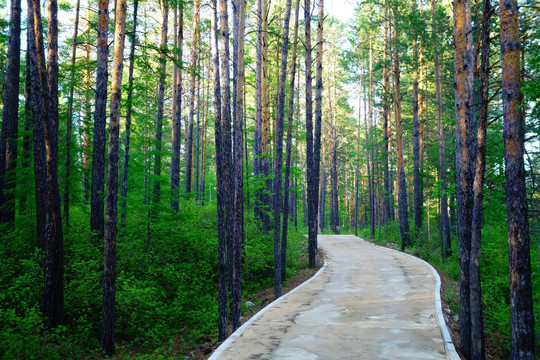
{"type": "Point", "coordinates": [312, 187]}
{"type": "Point", "coordinates": [193, 70]}
{"type": "Point", "coordinates": [45, 111]}
{"type": "Point", "coordinates": [129, 106]}
{"type": "Point", "coordinates": [221, 196]}
{"type": "Point", "coordinates": [160, 98]}
{"type": "Point", "coordinates": [280, 248]}
{"type": "Point", "coordinates": [289, 146]}
{"type": "Point", "coordinates": [444, 224]}
{"type": "Point", "coordinates": [226, 164]}
{"type": "Point", "coordinates": [387, 203]}
{"type": "Point", "coordinates": [177, 119]}
{"type": "Point", "coordinates": [239, 24]}
{"type": "Point", "coordinates": [10, 117]}
{"type": "Point", "coordinates": [334, 207]}
{"type": "Point", "coordinates": [477, 320]}
{"type": "Point", "coordinates": [519, 262]}
{"type": "Point", "coordinates": [111, 213]}
{"type": "Point", "coordinates": [416, 138]}
{"type": "Point", "coordinates": [262, 120]}
{"type": "Point", "coordinates": [465, 156]}
{"type": "Point", "coordinates": [97, 200]}
{"type": "Point", "coordinates": [402, 190]}
{"type": "Point", "coordinates": [67, 170]}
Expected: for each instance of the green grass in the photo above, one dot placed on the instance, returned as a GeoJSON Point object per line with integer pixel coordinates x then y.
{"type": "Point", "coordinates": [166, 289]}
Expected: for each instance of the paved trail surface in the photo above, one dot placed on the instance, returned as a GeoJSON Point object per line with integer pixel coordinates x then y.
{"type": "Point", "coordinates": [368, 302]}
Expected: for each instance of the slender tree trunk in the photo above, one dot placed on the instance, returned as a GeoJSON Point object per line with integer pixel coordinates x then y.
{"type": "Point", "coordinates": [45, 110]}
{"type": "Point", "coordinates": [322, 198]}
{"type": "Point", "coordinates": [193, 70]}
{"type": "Point", "coordinates": [465, 155]}
{"type": "Point", "coordinates": [67, 170]}
{"type": "Point", "coordinates": [239, 25]}
{"type": "Point", "coordinates": [160, 98]}
{"type": "Point", "coordinates": [129, 107]}
{"type": "Point", "coordinates": [177, 119]}
{"type": "Point", "coordinates": [519, 262]}
{"type": "Point", "coordinates": [97, 201]}
{"type": "Point", "coordinates": [334, 208]}
{"type": "Point", "coordinates": [26, 145]}
{"type": "Point", "coordinates": [260, 145]}
{"type": "Point", "coordinates": [111, 229]}
{"type": "Point", "coordinates": [416, 138]}
{"type": "Point", "coordinates": [311, 185]}
{"type": "Point", "coordinates": [278, 195]}
{"type": "Point", "coordinates": [387, 204]}
{"type": "Point", "coordinates": [477, 320]}
{"type": "Point", "coordinates": [444, 224]}
{"type": "Point", "coordinates": [86, 124]}
{"type": "Point", "coordinates": [318, 111]}
{"type": "Point", "coordinates": [369, 148]}
{"type": "Point", "coordinates": [10, 117]}
{"type": "Point", "coordinates": [226, 164]}
{"type": "Point", "coordinates": [221, 196]}
{"type": "Point", "coordinates": [288, 179]}
{"type": "Point", "coordinates": [197, 137]}
{"type": "Point", "coordinates": [402, 192]}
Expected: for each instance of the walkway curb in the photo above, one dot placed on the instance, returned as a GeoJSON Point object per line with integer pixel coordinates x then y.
{"type": "Point", "coordinates": [242, 328]}
{"type": "Point", "coordinates": [438, 304]}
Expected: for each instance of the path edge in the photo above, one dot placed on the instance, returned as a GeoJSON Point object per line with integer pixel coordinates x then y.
{"type": "Point", "coordinates": [241, 329]}
{"type": "Point", "coordinates": [449, 344]}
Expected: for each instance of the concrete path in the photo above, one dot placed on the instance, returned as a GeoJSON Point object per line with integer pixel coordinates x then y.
{"type": "Point", "coordinates": [368, 302]}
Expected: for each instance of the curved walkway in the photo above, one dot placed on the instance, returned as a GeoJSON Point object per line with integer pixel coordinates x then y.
{"type": "Point", "coordinates": [368, 302]}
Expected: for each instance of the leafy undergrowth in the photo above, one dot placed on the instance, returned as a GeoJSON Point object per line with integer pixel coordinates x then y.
{"type": "Point", "coordinates": [166, 289]}
{"type": "Point", "coordinates": [494, 277]}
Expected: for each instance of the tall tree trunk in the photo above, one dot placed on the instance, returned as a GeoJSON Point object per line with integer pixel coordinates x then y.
{"type": "Point", "coordinates": [197, 137]}
{"type": "Point", "coordinates": [322, 198]}
{"type": "Point", "coordinates": [45, 110]}
{"type": "Point", "coordinates": [86, 123]}
{"type": "Point", "coordinates": [290, 115]}
{"type": "Point", "coordinates": [221, 196]}
{"type": "Point", "coordinates": [239, 25]}
{"type": "Point", "coordinates": [465, 156]}
{"type": "Point", "coordinates": [519, 262]}
{"type": "Point", "coordinates": [369, 147]}
{"type": "Point", "coordinates": [278, 173]}
{"type": "Point", "coordinates": [129, 106]}
{"type": "Point", "coordinates": [416, 138]}
{"type": "Point", "coordinates": [177, 119]}
{"type": "Point", "coordinates": [477, 320]}
{"type": "Point", "coordinates": [288, 181]}
{"type": "Point", "coordinates": [444, 224]}
{"type": "Point", "coordinates": [312, 187]}
{"type": "Point", "coordinates": [111, 213]}
{"type": "Point", "coordinates": [67, 173]}
{"type": "Point", "coordinates": [160, 98]}
{"type": "Point", "coordinates": [10, 117]}
{"type": "Point", "coordinates": [261, 163]}
{"type": "Point", "coordinates": [97, 201]}
{"type": "Point", "coordinates": [387, 204]}
{"type": "Point", "coordinates": [402, 190]}
{"type": "Point", "coordinates": [193, 70]}
{"type": "Point", "coordinates": [316, 156]}
{"type": "Point", "coordinates": [27, 141]}
{"type": "Point", "coordinates": [334, 207]}
{"type": "Point", "coordinates": [226, 164]}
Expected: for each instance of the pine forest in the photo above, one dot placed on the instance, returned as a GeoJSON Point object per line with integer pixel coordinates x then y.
{"type": "Point", "coordinates": [166, 165]}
